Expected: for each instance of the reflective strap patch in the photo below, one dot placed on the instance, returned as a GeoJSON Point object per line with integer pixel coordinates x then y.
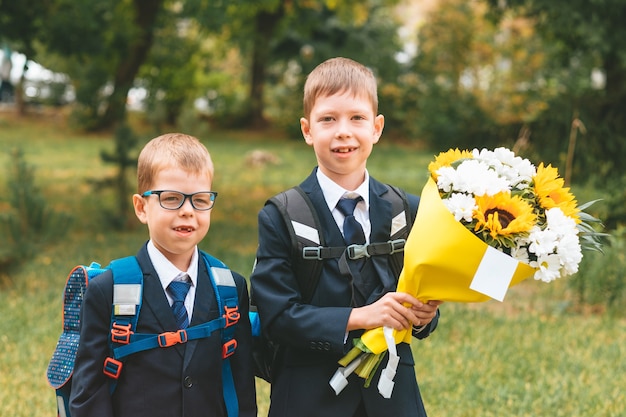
{"type": "Point", "coordinates": [124, 309]}
{"type": "Point", "coordinates": [307, 232]}
{"type": "Point", "coordinates": [223, 277]}
{"type": "Point", "coordinates": [398, 223]}
{"type": "Point", "coordinates": [126, 297]}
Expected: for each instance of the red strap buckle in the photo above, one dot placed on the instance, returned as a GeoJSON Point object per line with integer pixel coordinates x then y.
{"type": "Point", "coordinates": [120, 333]}
{"type": "Point", "coordinates": [112, 368]}
{"type": "Point", "coordinates": [168, 339]}
{"type": "Point", "coordinates": [231, 315]}
{"type": "Point", "coordinates": [229, 348]}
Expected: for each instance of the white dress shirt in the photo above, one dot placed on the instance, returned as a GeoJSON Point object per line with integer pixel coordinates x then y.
{"type": "Point", "coordinates": [167, 272]}
{"type": "Point", "coordinates": [333, 193]}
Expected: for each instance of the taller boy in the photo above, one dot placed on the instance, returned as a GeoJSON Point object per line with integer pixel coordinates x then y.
{"type": "Point", "coordinates": [342, 124]}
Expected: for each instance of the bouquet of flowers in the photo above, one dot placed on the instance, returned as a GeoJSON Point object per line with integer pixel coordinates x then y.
{"type": "Point", "coordinates": [487, 220]}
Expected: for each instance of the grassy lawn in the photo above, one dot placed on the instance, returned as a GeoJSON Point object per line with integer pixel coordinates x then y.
{"type": "Point", "coordinates": [528, 356]}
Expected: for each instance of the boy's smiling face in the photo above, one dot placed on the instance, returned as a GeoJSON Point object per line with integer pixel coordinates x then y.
{"type": "Point", "coordinates": [175, 232]}
{"type": "Point", "coordinates": [342, 129]}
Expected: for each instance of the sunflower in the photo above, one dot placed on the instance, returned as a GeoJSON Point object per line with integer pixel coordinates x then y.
{"type": "Point", "coordinates": [447, 158]}
{"type": "Point", "coordinates": [550, 191]}
{"type": "Point", "coordinates": [502, 215]}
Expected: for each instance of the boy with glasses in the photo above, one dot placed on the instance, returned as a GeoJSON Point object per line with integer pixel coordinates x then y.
{"type": "Point", "coordinates": [175, 198]}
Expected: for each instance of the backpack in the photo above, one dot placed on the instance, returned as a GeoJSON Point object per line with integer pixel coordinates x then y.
{"type": "Point", "coordinates": [127, 297]}
{"type": "Point", "coordinates": [309, 251]}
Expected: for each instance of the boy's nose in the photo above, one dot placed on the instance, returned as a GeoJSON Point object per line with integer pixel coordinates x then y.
{"type": "Point", "coordinates": [343, 129]}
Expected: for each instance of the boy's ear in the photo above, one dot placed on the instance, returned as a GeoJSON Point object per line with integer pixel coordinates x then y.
{"type": "Point", "coordinates": [379, 124]}
{"type": "Point", "coordinates": [139, 203]}
{"type": "Point", "coordinates": [305, 127]}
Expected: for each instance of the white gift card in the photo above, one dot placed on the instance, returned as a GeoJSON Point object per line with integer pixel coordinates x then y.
{"type": "Point", "coordinates": [494, 274]}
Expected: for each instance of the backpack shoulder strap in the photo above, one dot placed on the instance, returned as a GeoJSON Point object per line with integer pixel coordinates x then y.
{"type": "Point", "coordinates": [127, 296]}
{"type": "Point", "coordinates": [303, 224]}
{"type": "Point", "coordinates": [228, 301]}
{"type": "Point", "coordinates": [401, 224]}
{"type": "Point", "coordinates": [402, 219]}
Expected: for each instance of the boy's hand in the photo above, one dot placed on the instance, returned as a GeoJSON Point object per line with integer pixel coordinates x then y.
{"type": "Point", "coordinates": [391, 310]}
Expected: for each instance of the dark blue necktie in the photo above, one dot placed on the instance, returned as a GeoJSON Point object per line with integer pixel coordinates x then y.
{"type": "Point", "coordinates": [353, 234]}
{"type": "Point", "coordinates": [352, 230]}
{"type": "Point", "coordinates": [178, 291]}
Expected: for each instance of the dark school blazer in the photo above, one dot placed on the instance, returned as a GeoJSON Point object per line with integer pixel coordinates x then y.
{"type": "Point", "coordinates": [313, 335]}
{"type": "Point", "coordinates": [181, 380]}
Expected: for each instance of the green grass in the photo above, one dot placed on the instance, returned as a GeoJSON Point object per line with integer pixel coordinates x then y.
{"type": "Point", "coordinates": [528, 356]}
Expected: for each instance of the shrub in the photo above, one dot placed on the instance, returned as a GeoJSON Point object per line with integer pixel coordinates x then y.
{"type": "Point", "coordinates": [600, 280]}
{"type": "Point", "coordinates": [29, 222]}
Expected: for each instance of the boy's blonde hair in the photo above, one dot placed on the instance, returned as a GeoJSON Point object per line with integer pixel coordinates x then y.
{"type": "Point", "coordinates": [338, 75]}
{"type": "Point", "coordinates": [172, 150]}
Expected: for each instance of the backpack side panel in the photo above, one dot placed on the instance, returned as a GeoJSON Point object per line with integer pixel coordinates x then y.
{"type": "Point", "coordinates": [61, 366]}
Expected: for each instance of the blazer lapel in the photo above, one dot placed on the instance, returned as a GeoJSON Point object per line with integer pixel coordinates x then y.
{"type": "Point", "coordinates": [332, 235]}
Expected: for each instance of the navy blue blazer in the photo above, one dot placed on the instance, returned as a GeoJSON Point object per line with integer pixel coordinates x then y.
{"type": "Point", "coordinates": [313, 334]}
{"type": "Point", "coordinates": [182, 380]}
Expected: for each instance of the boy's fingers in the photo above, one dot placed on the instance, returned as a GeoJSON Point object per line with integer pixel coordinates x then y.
{"type": "Point", "coordinates": [408, 298]}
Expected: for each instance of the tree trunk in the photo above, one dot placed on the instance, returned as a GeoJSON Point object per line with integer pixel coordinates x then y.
{"type": "Point", "coordinates": [146, 12]}
{"type": "Point", "coordinates": [265, 26]}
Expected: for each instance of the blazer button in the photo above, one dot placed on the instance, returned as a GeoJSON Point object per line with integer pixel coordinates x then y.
{"type": "Point", "coordinates": [188, 382]}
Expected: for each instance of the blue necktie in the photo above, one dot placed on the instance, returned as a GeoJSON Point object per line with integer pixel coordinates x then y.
{"type": "Point", "coordinates": [353, 234]}
{"type": "Point", "coordinates": [178, 291]}
{"type": "Point", "coordinates": [352, 230]}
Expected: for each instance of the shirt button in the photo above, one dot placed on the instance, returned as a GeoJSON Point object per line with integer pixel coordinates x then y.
{"type": "Point", "coordinates": [188, 382]}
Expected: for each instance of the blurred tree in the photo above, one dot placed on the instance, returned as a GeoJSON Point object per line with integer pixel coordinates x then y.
{"type": "Point", "coordinates": [102, 42]}
{"type": "Point", "coordinates": [588, 44]}
{"type": "Point", "coordinates": [474, 83]}
{"type": "Point", "coordinates": [20, 24]}
{"type": "Point", "coordinates": [169, 73]}
{"type": "Point", "coordinates": [271, 31]}
{"type": "Point", "coordinates": [105, 42]}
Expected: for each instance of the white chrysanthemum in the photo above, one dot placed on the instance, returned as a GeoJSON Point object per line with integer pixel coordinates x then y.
{"type": "Point", "coordinates": [446, 177]}
{"type": "Point", "coordinates": [517, 171]}
{"type": "Point", "coordinates": [570, 253]}
{"type": "Point", "coordinates": [471, 177]}
{"type": "Point", "coordinates": [549, 267]}
{"type": "Point", "coordinates": [542, 242]}
{"type": "Point", "coordinates": [559, 222]}
{"type": "Point", "coordinates": [520, 253]}
{"type": "Point", "coordinates": [461, 205]}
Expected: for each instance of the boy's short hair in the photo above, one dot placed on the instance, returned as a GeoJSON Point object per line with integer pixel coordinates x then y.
{"type": "Point", "coordinates": [337, 75]}
{"type": "Point", "coordinates": [175, 150]}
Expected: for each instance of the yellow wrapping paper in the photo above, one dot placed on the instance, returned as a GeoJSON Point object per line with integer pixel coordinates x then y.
{"type": "Point", "coordinates": [441, 258]}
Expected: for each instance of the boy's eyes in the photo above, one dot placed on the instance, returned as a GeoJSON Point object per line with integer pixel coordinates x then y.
{"type": "Point", "coordinates": [331, 118]}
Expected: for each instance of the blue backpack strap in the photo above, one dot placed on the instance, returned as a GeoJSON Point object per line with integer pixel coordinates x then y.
{"type": "Point", "coordinates": [127, 295]}
{"type": "Point", "coordinates": [228, 301]}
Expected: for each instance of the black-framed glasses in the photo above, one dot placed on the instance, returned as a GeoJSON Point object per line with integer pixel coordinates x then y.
{"type": "Point", "coordinates": [173, 200]}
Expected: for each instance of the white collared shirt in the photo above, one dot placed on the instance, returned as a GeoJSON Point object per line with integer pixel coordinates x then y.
{"type": "Point", "coordinates": [167, 272]}
{"type": "Point", "coordinates": [333, 193]}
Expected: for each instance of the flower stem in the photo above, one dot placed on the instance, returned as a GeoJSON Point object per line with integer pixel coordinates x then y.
{"type": "Point", "coordinates": [350, 356]}
{"type": "Point", "coordinates": [367, 368]}
{"type": "Point", "coordinates": [380, 358]}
